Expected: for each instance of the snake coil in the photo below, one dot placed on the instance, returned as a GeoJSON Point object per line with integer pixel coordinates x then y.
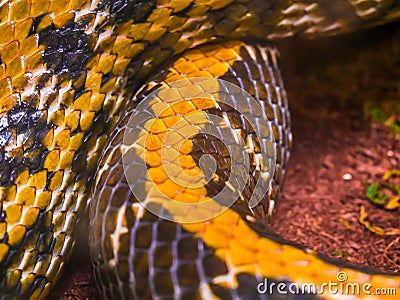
{"type": "Point", "coordinates": [73, 72]}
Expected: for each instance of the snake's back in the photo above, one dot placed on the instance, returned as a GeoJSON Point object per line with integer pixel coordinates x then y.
{"type": "Point", "coordinates": [68, 72]}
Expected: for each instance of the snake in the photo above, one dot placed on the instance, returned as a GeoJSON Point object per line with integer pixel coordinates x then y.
{"type": "Point", "coordinates": [72, 75]}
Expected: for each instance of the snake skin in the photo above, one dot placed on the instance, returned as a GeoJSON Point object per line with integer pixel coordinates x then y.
{"type": "Point", "coordinates": [143, 236]}
{"type": "Point", "coordinates": [68, 71]}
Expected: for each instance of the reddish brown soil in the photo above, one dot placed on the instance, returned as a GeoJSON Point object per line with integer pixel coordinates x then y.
{"type": "Point", "coordinates": [332, 138]}
{"type": "Point", "coordinates": [320, 209]}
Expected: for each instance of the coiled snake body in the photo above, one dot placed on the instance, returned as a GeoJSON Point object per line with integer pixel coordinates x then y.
{"type": "Point", "coordinates": [68, 72]}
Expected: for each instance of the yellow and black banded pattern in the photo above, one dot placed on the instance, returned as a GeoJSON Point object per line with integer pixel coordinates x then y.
{"type": "Point", "coordinates": [68, 69]}
{"type": "Point", "coordinates": [140, 256]}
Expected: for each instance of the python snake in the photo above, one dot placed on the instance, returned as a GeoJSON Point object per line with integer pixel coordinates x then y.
{"type": "Point", "coordinates": [71, 74]}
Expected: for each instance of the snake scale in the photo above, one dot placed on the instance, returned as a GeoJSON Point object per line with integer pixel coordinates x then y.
{"type": "Point", "coordinates": [71, 74]}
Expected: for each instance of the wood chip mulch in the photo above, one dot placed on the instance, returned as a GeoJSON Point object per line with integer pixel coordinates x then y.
{"type": "Point", "coordinates": [325, 187]}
